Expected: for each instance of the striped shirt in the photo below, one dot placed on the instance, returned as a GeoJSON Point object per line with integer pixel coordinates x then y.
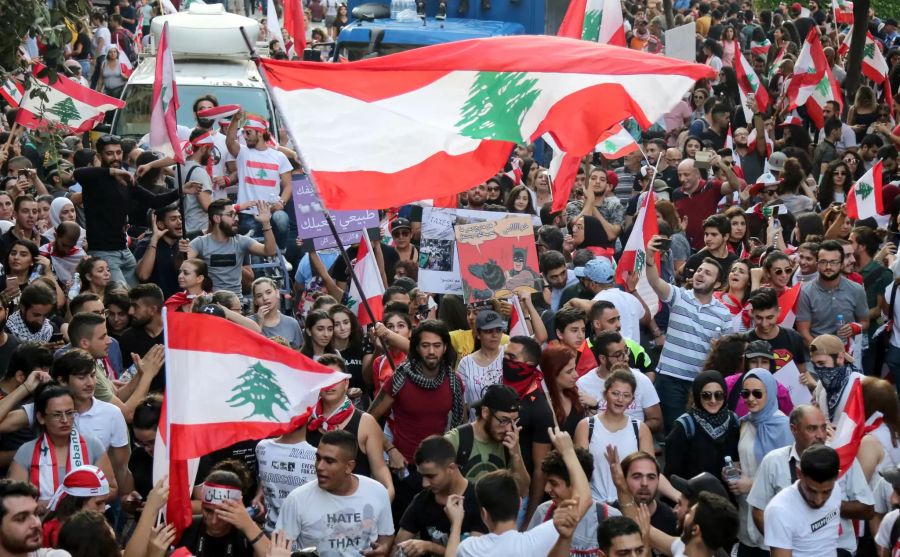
{"type": "Point", "coordinates": [692, 328]}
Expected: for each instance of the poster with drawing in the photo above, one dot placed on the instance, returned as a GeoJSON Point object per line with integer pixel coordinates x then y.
{"type": "Point", "coordinates": [438, 261]}
{"type": "Point", "coordinates": [497, 258]}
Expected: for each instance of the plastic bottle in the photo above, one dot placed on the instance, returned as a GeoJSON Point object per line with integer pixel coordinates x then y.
{"type": "Point", "coordinates": [75, 288]}
{"type": "Point", "coordinates": [36, 273]}
{"type": "Point", "coordinates": [730, 472]}
{"type": "Point", "coordinates": [839, 319]}
{"type": "Point", "coordinates": [395, 8]}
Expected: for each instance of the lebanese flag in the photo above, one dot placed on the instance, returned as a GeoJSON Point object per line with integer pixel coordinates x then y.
{"type": "Point", "coordinates": [634, 256]}
{"type": "Point", "coordinates": [139, 33]}
{"type": "Point", "coordinates": [874, 65]}
{"type": "Point", "coordinates": [843, 11]}
{"type": "Point", "coordinates": [594, 20]}
{"type": "Point", "coordinates": [251, 388]}
{"type": "Point", "coordinates": [273, 25]}
{"type": "Point", "coordinates": [850, 428]}
{"type": "Point", "coordinates": [563, 170]}
{"type": "Point", "coordinates": [219, 113]}
{"type": "Point", "coordinates": [69, 104]}
{"type": "Point", "coordinates": [12, 91]}
{"type": "Point", "coordinates": [163, 122]}
{"type": "Point", "coordinates": [616, 143]}
{"type": "Point", "coordinates": [295, 24]}
{"type": "Point", "coordinates": [517, 326]}
{"type": "Point", "coordinates": [787, 301]}
{"type": "Point", "coordinates": [748, 84]}
{"type": "Point", "coordinates": [366, 269]}
{"type": "Point", "coordinates": [124, 63]}
{"type": "Point", "coordinates": [774, 68]}
{"type": "Point", "coordinates": [865, 198]}
{"type": "Point", "coordinates": [454, 110]}
{"type": "Point", "coordinates": [813, 84]}
{"type": "Point", "coordinates": [760, 48]}
{"type": "Point", "coordinates": [751, 143]}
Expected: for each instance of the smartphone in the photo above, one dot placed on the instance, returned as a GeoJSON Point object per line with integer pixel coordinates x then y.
{"type": "Point", "coordinates": [306, 552]}
{"type": "Point", "coordinates": [663, 244]}
{"type": "Point", "coordinates": [897, 239]}
{"type": "Point", "coordinates": [23, 172]}
{"type": "Point", "coordinates": [56, 337]}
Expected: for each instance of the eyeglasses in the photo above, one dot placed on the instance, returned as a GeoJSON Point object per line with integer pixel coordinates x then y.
{"type": "Point", "coordinates": [826, 263]}
{"type": "Point", "coordinates": [851, 161]}
{"type": "Point", "coordinates": [619, 395]}
{"type": "Point", "coordinates": [709, 395]}
{"type": "Point", "coordinates": [506, 422]}
{"type": "Point", "coordinates": [400, 233]}
{"type": "Point", "coordinates": [755, 393]}
{"type": "Point", "coordinates": [62, 416]}
{"type": "Point", "coordinates": [620, 355]}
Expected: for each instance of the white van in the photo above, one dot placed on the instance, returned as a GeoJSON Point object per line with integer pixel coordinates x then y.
{"type": "Point", "coordinates": [211, 57]}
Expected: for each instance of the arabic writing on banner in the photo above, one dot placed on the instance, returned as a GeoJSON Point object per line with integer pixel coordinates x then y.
{"type": "Point", "coordinates": [311, 223]}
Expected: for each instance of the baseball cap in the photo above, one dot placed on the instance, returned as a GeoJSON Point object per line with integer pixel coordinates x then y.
{"type": "Point", "coordinates": [213, 309]}
{"type": "Point", "coordinates": [692, 488]}
{"type": "Point", "coordinates": [777, 160]}
{"type": "Point", "coordinates": [829, 345]}
{"type": "Point", "coordinates": [598, 270]}
{"type": "Point", "coordinates": [400, 222]}
{"type": "Point", "coordinates": [500, 398]}
{"type": "Point", "coordinates": [892, 476]}
{"type": "Point", "coordinates": [489, 319]}
{"type": "Point", "coordinates": [759, 349]}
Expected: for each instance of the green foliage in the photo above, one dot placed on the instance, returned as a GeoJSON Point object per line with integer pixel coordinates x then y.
{"type": "Point", "coordinates": [883, 8]}
{"type": "Point", "coordinates": [21, 17]}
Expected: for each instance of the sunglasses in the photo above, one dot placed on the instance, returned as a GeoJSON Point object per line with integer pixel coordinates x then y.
{"type": "Point", "coordinates": [755, 393]}
{"type": "Point", "coordinates": [780, 272]}
{"type": "Point", "coordinates": [710, 395]}
{"type": "Point", "coordinates": [402, 232]}
{"type": "Point", "coordinates": [495, 188]}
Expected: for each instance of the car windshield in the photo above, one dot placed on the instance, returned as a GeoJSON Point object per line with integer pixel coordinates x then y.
{"type": "Point", "coordinates": [358, 51]}
{"type": "Point", "coordinates": [134, 119]}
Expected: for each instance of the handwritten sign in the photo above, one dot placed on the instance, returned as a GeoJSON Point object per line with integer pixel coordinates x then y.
{"type": "Point", "coordinates": [311, 223]}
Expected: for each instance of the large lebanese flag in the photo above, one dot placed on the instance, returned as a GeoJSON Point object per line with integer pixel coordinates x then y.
{"type": "Point", "coordinates": [865, 198]}
{"type": "Point", "coordinates": [850, 428]}
{"type": "Point", "coordinates": [163, 121]}
{"type": "Point", "coordinates": [68, 104]}
{"type": "Point", "coordinates": [634, 256]}
{"type": "Point", "coordinates": [812, 83]}
{"type": "Point", "coordinates": [748, 84]}
{"type": "Point", "coordinates": [594, 20]}
{"type": "Point", "coordinates": [366, 269]}
{"type": "Point", "coordinates": [874, 65]}
{"type": "Point", "coordinates": [226, 384]}
{"type": "Point", "coordinates": [454, 110]}
{"type": "Point", "coordinates": [616, 143]}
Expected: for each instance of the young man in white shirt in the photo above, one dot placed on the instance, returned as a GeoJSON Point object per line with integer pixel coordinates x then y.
{"type": "Point", "coordinates": [804, 519]}
{"type": "Point", "coordinates": [609, 348]}
{"type": "Point", "coordinates": [341, 513]}
{"type": "Point", "coordinates": [601, 280]}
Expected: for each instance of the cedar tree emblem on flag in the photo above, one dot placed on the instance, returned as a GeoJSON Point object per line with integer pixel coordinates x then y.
{"type": "Point", "coordinates": [260, 388]}
{"type": "Point", "coordinates": [497, 104]}
{"type": "Point", "coordinates": [65, 110]}
{"type": "Point", "coordinates": [864, 190]}
{"type": "Point", "coordinates": [592, 21]}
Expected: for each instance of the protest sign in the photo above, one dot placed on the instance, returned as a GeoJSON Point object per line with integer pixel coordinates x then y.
{"type": "Point", "coordinates": [681, 42]}
{"type": "Point", "coordinates": [497, 258]}
{"type": "Point", "coordinates": [311, 222]}
{"type": "Point", "coordinates": [789, 376]}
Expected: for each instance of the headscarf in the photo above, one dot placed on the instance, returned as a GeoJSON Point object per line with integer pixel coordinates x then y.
{"type": "Point", "coordinates": [772, 428]}
{"type": "Point", "coordinates": [56, 208]}
{"type": "Point", "coordinates": [715, 425]}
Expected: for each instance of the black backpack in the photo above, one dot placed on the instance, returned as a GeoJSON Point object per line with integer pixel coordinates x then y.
{"type": "Point", "coordinates": [464, 450]}
{"type": "Point", "coordinates": [634, 425]}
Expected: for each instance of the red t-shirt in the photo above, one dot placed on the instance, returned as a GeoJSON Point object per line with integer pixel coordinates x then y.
{"type": "Point", "coordinates": [419, 413]}
{"type": "Point", "coordinates": [697, 207]}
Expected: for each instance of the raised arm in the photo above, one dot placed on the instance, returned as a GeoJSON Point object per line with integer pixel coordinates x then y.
{"type": "Point", "coordinates": [661, 287]}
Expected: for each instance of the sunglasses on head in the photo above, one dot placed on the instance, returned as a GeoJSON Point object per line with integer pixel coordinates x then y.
{"type": "Point", "coordinates": [755, 393]}
{"type": "Point", "coordinates": [709, 395]}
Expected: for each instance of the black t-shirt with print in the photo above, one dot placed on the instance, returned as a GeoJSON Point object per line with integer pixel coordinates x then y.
{"type": "Point", "coordinates": [426, 519]}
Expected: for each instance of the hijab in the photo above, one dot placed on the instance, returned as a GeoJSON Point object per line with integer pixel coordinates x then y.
{"type": "Point", "coordinates": [772, 428]}
{"type": "Point", "coordinates": [715, 425]}
{"type": "Point", "coordinates": [56, 207]}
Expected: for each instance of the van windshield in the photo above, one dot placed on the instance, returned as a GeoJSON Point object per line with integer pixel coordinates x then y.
{"type": "Point", "coordinates": [357, 51]}
{"type": "Point", "coordinates": [134, 119]}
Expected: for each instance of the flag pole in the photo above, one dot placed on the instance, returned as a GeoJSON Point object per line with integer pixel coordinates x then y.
{"type": "Point", "coordinates": [327, 214]}
{"type": "Point", "coordinates": [12, 135]}
{"type": "Point", "coordinates": [181, 201]}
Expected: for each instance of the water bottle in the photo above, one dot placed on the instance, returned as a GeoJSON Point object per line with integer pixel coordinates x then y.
{"type": "Point", "coordinates": [36, 273]}
{"type": "Point", "coordinates": [75, 288]}
{"type": "Point", "coordinates": [839, 319]}
{"type": "Point", "coordinates": [730, 472]}
{"type": "Point", "coordinates": [395, 8]}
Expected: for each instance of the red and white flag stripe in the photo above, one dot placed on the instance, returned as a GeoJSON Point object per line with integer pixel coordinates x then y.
{"type": "Point", "coordinates": [163, 117]}
{"type": "Point", "coordinates": [369, 275]}
{"type": "Point", "coordinates": [69, 104]}
{"type": "Point", "coordinates": [634, 256]}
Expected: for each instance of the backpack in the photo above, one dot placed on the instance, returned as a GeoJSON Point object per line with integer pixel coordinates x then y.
{"type": "Point", "coordinates": [634, 425]}
{"type": "Point", "coordinates": [464, 450]}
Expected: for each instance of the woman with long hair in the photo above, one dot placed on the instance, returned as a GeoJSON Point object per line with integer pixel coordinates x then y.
{"type": "Point", "coordinates": [194, 280]}
{"type": "Point", "coordinates": [561, 376]}
{"type": "Point", "coordinates": [340, 20]}
{"type": "Point", "coordinates": [348, 341]}
{"type": "Point", "coordinates": [691, 145]}
{"type": "Point", "coordinates": [776, 272]}
{"type": "Point", "coordinates": [836, 182]}
{"type": "Point", "coordinates": [519, 201]}
{"type": "Point", "coordinates": [703, 436]}
{"type": "Point", "coordinates": [25, 263]}
{"type": "Point", "coordinates": [266, 305]}
{"type": "Point", "coordinates": [542, 189]}
{"type": "Point", "coordinates": [855, 164]}
{"type": "Point", "coordinates": [739, 238]}
{"type": "Point", "coordinates": [318, 331]}
{"type": "Point", "coordinates": [697, 100]}
{"type": "Point", "coordinates": [729, 46]}
{"type": "Point", "coordinates": [94, 275]}
{"type": "Point", "coordinates": [794, 192]}
{"type": "Point", "coordinates": [736, 292]}
{"type": "Point", "coordinates": [864, 112]}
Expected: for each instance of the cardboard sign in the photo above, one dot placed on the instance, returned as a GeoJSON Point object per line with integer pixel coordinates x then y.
{"type": "Point", "coordinates": [311, 223]}
{"type": "Point", "coordinates": [681, 42]}
{"type": "Point", "coordinates": [497, 258]}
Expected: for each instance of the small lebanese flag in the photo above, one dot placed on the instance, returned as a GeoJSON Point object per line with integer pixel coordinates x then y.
{"type": "Point", "coordinates": [563, 170]}
{"type": "Point", "coordinates": [751, 142]}
{"type": "Point", "coordinates": [69, 104]}
{"type": "Point", "coordinates": [791, 120]}
{"type": "Point", "coordinates": [124, 62]}
{"type": "Point", "coordinates": [850, 428]}
{"type": "Point", "coordinates": [634, 256]}
{"type": "Point", "coordinates": [813, 84]}
{"type": "Point", "coordinates": [843, 11]}
{"type": "Point", "coordinates": [369, 275]}
{"type": "Point", "coordinates": [515, 171]}
{"type": "Point", "coordinates": [616, 143]}
{"type": "Point", "coordinates": [729, 144]}
{"type": "Point", "coordinates": [874, 65]}
{"type": "Point", "coordinates": [12, 91]}
{"type": "Point", "coordinates": [600, 21]}
{"type": "Point", "coordinates": [748, 84]}
{"type": "Point", "coordinates": [517, 326]}
{"type": "Point", "coordinates": [163, 120]}
{"type": "Point", "coordinates": [787, 301]}
{"type": "Point", "coordinates": [760, 48]}
{"type": "Point", "coordinates": [865, 198]}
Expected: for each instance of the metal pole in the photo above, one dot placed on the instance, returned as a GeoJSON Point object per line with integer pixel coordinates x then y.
{"type": "Point", "coordinates": [325, 211]}
{"type": "Point", "coordinates": [181, 200]}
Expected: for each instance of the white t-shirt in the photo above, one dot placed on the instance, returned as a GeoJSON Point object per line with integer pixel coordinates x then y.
{"type": "Point", "coordinates": [259, 174]}
{"type": "Point", "coordinates": [677, 549]}
{"type": "Point", "coordinates": [104, 422]}
{"type": "Point", "coordinates": [283, 468]}
{"type": "Point", "coordinates": [644, 396]}
{"type": "Point", "coordinates": [883, 537]}
{"type": "Point", "coordinates": [792, 524]}
{"type": "Point", "coordinates": [220, 156]}
{"type": "Point", "coordinates": [102, 32]}
{"type": "Point", "coordinates": [895, 332]}
{"type": "Point", "coordinates": [631, 310]}
{"type": "Point", "coordinates": [339, 526]}
{"type": "Point", "coordinates": [537, 541]}
{"type": "Point", "coordinates": [477, 378]}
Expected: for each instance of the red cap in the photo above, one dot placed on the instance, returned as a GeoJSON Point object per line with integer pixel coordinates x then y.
{"type": "Point", "coordinates": [612, 178]}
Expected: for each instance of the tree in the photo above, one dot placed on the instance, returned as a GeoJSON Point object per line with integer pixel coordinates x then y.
{"type": "Point", "coordinates": [496, 106]}
{"type": "Point", "coordinates": [857, 43]}
{"type": "Point", "coordinates": [33, 17]}
{"type": "Point", "coordinates": [670, 17]}
{"type": "Point", "coordinates": [259, 387]}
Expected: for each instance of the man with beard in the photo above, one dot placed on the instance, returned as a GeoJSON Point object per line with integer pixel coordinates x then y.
{"type": "Point", "coordinates": [194, 170]}
{"type": "Point", "coordinates": [425, 528]}
{"type": "Point", "coordinates": [696, 320]}
{"type": "Point", "coordinates": [146, 331]}
{"type": "Point", "coordinates": [161, 253]}
{"type": "Point", "coordinates": [106, 193]}
{"type": "Point", "coordinates": [264, 176]}
{"type": "Point", "coordinates": [31, 322]}
{"type": "Point", "coordinates": [224, 250]}
{"type": "Point", "coordinates": [20, 526]}
{"type": "Point", "coordinates": [836, 374]}
{"type": "Point", "coordinates": [556, 277]}
{"type": "Point", "coordinates": [642, 474]}
{"type": "Point", "coordinates": [477, 197]}
{"type": "Point", "coordinates": [716, 231]}
{"type": "Point", "coordinates": [832, 294]}
{"type": "Point", "coordinates": [802, 519]}
{"type": "Point", "coordinates": [778, 471]}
